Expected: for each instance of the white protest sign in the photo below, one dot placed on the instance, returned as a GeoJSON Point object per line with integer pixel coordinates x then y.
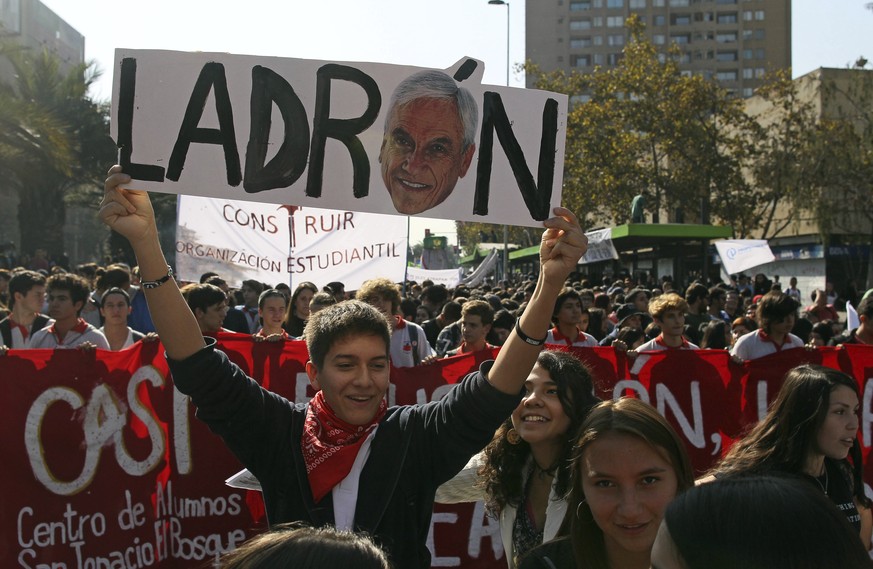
{"type": "Point", "coordinates": [366, 137]}
{"type": "Point", "coordinates": [237, 240]}
{"type": "Point", "coordinates": [447, 277]}
{"type": "Point", "coordinates": [600, 247]}
{"type": "Point", "coordinates": [738, 255]}
{"type": "Point", "coordinates": [245, 240]}
{"type": "Point", "coordinates": [348, 247]}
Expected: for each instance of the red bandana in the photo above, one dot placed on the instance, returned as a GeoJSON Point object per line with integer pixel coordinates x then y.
{"type": "Point", "coordinates": [330, 445]}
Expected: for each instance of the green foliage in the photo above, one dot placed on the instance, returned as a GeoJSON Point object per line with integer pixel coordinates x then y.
{"type": "Point", "coordinates": [644, 128]}
{"type": "Point", "coordinates": [54, 142]}
{"type": "Point", "coordinates": [470, 234]}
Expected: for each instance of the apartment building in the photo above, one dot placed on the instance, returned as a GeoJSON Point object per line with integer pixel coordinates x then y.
{"type": "Point", "coordinates": [735, 42]}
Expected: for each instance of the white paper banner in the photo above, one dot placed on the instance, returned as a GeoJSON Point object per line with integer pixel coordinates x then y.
{"type": "Point", "coordinates": [738, 255]}
{"type": "Point", "coordinates": [447, 277]}
{"type": "Point", "coordinates": [349, 247]}
{"type": "Point", "coordinates": [486, 267]}
{"type": "Point", "coordinates": [245, 240]}
{"type": "Point", "coordinates": [329, 134]}
{"type": "Point", "coordinates": [237, 240]}
{"type": "Point", "coordinates": [600, 247]}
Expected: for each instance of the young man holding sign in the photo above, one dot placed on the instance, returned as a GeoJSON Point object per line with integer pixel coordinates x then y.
{"type": "Point", "coordinates": [344, 459]}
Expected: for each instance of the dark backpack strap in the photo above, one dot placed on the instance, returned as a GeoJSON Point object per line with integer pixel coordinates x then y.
{"type": "Point", "coordinates": [40, 322]}
{"type": "Point", "coordinates": [413, 341]}
{"type": "Point", "coordinates": [6, 330]}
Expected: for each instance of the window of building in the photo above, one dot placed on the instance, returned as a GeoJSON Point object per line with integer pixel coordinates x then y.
{"type": "Point", "coordinates": [704, 36]}
{"type": "Point", "coordinates": [725, 1]}
{"type": "Point", "coordinates": [598, 40]}
{"type": "Point", "coordinates": [680, 19]}
{"type": "Point", "coordinates": [685, 73]}
{"type": "Point", "coordinates": [680, 3]}
{"type": "Point", "coordinates": [597, 3]}
{"type": "Point", "coordinates": [582, 61]}
{"type": "Point", "coordinates": [580, 6]}
{"type": "Point", "coordinates": [759, 15]}
{"type": "Point", "coordinates": [659, 39]}
{"type": "Point", "coordinates": [748, 92]}
{"type": "Point", "coordinates": [613, 58]}
{"type": "Point", "coordinates": [614, 21]}
{"type": "Point", "coordinates": [598, 59]}
{"type": "Point", "coordinates": [753, 35]}
{"type": "Point", "coordinates": [615, 39]}
{"type": "Point", "coordinates": [615, 3]}
{"type": "Point", "coordinates": [759, 53]}
{"type": "Point", "coordinates": [578, 99]}
{"type": "Point", "coordinates": [726, 56]}
{"type": "Point", "coordinates": [659, 20]}
{"type": "Point", "coordinates": [726, 37]}
{"type": "Point", "coordinates": [748, 54]}
{"type": "Point", "coordinates": [727, 18]}
{"type": "Point", "coordinates": [726, 75]}
{"type": "Point", "coordinates": [760, 73]}
{"type": "Point", "coordinates": [598, 22]}
{"type": "Point", "coordinates": [637, 4]}
{"type": "Point", "coordinates": [748, 73]}
{"type": "Point", "coordinates": [579, 43]}
{"type": "Point", "coordinates": [662, 58]}
{"type": "Point", "coordinates": [658, 3]}
{"type": "Point", "coordinates": [747, 15]}
{"type": "Point", "coordinates": [681, 39]}
{"type": "Point", "coordinates": [582, 24]}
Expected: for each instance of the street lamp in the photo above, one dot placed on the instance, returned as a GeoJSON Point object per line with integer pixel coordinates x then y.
{"type": "Point", "coordinates": [505, 227]}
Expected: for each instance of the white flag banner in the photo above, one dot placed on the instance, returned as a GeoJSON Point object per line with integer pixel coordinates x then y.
{"type": "Point", "coordinates": [247, 240]}
{"type": "Point", "coordinates": [447, 277]}
{"type": "Point", "coordinates": [738, 255]}
{"type": "Point", "coordinates": [600, 247]}
{"type": "Point", "coordinates": [487, 266]}
{"type": "Point", "coordinates": [237, 240]}
{"type": "Point", "coordinates": [345, 246]}
{"type": "Point", "coordinates": [852, 318]}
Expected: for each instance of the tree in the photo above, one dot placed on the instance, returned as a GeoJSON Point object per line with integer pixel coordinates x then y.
{"type": "Point", "coordinates": [644, 128]}
{"type": "Point", "coordinates": [68, 136]}
{"type": "Point", "coordinates": [470, 234]}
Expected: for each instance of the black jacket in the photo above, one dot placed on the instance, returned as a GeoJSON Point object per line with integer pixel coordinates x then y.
{"type": "Point", "coordinates": [415, 449]}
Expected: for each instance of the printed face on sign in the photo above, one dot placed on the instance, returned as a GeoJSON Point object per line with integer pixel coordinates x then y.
{"type": "Point", "coordinates": [423, 154]}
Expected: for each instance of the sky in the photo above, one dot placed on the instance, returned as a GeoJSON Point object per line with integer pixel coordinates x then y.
{"type": "Point", "coordinates": [406, 32]}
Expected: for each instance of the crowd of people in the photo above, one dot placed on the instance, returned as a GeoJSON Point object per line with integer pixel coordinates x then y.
{"type": "Point", "coordinates": [573, 481]}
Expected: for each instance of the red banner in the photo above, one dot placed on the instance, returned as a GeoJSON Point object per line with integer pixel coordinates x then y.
{"type": "Point", "coordinates": [107, 467]}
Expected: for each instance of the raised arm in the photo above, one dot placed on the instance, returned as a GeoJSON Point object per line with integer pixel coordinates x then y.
{"type": "Point", "coordinates": [130, 213]}
{"type": "Point", "coordinates": [562, 246]}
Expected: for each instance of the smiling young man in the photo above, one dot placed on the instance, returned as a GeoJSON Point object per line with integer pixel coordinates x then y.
{"type": "Point", "coordinates": [428, 142]}
{"type": "Point", "coordinates": [344, 459]}
{"type": "Point", "coordinates": [67, 294]}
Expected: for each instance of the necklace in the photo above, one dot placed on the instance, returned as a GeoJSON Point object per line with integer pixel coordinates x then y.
{"type": "Point", "coordinates": [824, 487]}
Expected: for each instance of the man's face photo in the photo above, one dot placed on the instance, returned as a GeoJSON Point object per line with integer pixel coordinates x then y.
{"type": "Point", "coordinates": [423, 154]}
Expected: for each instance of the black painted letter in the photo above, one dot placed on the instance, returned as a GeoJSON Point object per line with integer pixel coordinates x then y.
{"type": "Point", "coordinates": [344, 130]}
{"type": "Point", "coordinates": [290, 161]}
{"type": "Point", "coordinates": [211, 76]}
{"type": "Point", "coordinates": [126, 103]}
{"type": "Point", "coordinates": [537, 195]}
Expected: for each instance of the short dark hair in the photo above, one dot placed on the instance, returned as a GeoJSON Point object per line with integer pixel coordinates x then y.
{"type": "Point", "coordinates": [774, 307]}
{"type": "Point", "coordinates": [763, 522]}
{"type": "Point", "coordinates": [74, 284]}
{"type": "Point", "coordinates": [452, 310]}
{"type": "Point", "coordinates": [866, 306]}
{"type": "Point", "coordinates": [21, 282]}
{"type": "Point", "coordinates": [271, 293]}
{"type": "Point", "coordinates": [202, 296]}
{"type": "Point", "coordinates": [296, 545]}
{"type": "Point", "coordinates": [256, 286]}
{"type": "Point", "coordinates": [204, 278]}
{"type": "Point", "coordinates": [564, 296]}
{"type": "Point", "coordinates": [114, 276]}
{"type": "Point", "coordinates": [118, 291]}
{"type": "Point", "coordinates": [478, 308]}
{"type": "Point", "coordinates": [349, 318]}
{"type": "Point", "coordinates": [695, 292]}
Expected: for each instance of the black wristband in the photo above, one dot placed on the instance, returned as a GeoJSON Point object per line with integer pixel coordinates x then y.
{"type": "Point", "coordinates": [527, 339]}
{"type": "Point", "coordinates": [160, 281]}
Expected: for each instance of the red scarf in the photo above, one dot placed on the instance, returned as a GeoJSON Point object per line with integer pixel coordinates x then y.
{"type": "Point", "coordinates": [330, 445]}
